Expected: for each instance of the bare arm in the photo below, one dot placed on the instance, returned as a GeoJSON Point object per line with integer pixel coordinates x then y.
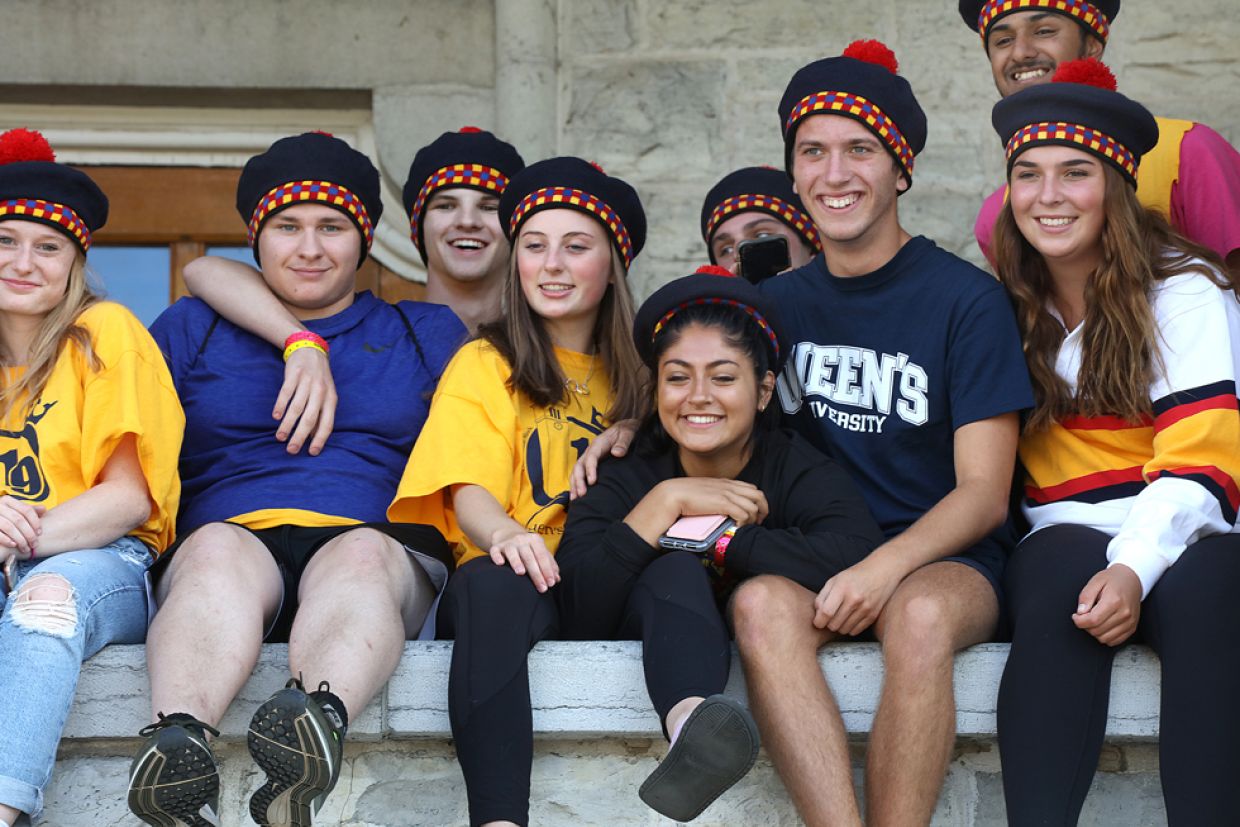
{"type": "Point", "coordinates": [113, 507]}
{"type": "Point", "coordinates": [306, 403]}
{"type": "Point", "coordinates": [488, 526]}
{"type": "Point", "coordinates": [985, 456]}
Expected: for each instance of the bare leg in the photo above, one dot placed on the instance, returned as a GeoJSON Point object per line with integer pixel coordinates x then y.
{"type": "Point", "coordinates": [797, 715]}
{"type": "Point", "coordinates": [934, 613]}
{"type": "Point", "coordinates": [219, 594]}
{"type": "Point", "coordinates": [362, 596]}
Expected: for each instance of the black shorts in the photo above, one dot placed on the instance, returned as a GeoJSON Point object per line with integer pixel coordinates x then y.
{"type": "Point", "coordinates": [293, 547]}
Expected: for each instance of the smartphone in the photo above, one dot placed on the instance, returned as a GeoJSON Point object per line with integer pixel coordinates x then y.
{"type": "Point", "coordinates": [696, 534]}
{"type": "Point", "coordinates": [761, 258]}
{"type": "Point", "coordinates": [10, 574]}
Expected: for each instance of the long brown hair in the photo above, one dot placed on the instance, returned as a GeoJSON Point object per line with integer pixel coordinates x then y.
{"type": "Point", "coordinates": [522, 339]}
{"type": "Point", "coordinates": [1119, 351]}
{"type": "Point", "coordinates": [59, 329]}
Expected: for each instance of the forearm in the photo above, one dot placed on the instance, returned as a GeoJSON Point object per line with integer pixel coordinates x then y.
{"type": "Point", "coordinates": [238, 293]}
{"type": "Point", "coordinates": [967, 514]}
{"type": "Point", "coordinates": [653, 516]}
{"type": "Point", "coordinates": [808, 559]}
{"type": "Point", "coordinates": [94, 518]}
{"type": "Point", "coordinates": [480, 515]}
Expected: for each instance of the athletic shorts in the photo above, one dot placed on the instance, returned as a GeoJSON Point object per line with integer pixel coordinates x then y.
{"type": "Point", "coordinates": [293, 547]}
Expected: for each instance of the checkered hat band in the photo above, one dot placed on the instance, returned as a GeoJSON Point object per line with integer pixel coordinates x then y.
{"type": "Point", "coordinates": [1080, 10]}
{"type": "Point", "coordinates": [781, 209]}
{"type": "Point", "coordinates": [323, 192]}
{"type": "Point", "coordinates": [846, 103]}
{"type": "Point", "coordinates": [580, 200]}
{"type": "Point", "coordinates": [475, 176]}
{"type": "Point", "coordinates": [58, 214]}
{"type": "Point", "coordinates": [753, 314]}
{"type": "Point", "coordinates": [1091, 140]}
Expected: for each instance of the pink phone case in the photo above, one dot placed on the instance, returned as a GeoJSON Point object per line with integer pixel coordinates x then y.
{"type": "Point", "coordinates": [695, 528]}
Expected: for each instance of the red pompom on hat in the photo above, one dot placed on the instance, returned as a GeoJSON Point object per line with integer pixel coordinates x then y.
{"type": "Point", "coordinates": [24, 145]}
{"type": "Point", "coordinates": [715, 270]}
{"type": "Point", "coordinates": [597, 166]}
{"type": "Point", "coordinates": [468, 130]}
{"type": "Point", "coordinates": [873, 51]}
{"type": "Point", "coordinates": [321, 132]}
{"type": "Point", "coordinates": [1089, 71]}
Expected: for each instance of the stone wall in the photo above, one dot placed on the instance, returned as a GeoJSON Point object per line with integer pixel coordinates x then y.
{"type": "Point", "coordinates": [676, 93]}
{"type": "Point", "coordinates": [670, 94]}
{"type": "Point", "coordinates": [597, 740]}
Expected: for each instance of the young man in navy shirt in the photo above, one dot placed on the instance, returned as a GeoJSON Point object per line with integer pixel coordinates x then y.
{"type": "Point", "coordinates": [908, 369]}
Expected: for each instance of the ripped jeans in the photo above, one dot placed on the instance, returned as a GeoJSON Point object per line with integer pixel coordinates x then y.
{"type": "Point", "coordinates": [43, 644]}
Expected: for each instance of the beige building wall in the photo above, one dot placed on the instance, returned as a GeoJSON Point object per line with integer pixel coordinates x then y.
{"type": "Point", "coordinates": [670, 94]}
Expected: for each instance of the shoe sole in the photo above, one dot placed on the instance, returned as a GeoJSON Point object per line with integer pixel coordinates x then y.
{"type": "Point", "coordinates": [717, 745]}
{"type": "Point", "coordinates": [179, 802]}
{"type": "Point", "coordinates": [287, 742]}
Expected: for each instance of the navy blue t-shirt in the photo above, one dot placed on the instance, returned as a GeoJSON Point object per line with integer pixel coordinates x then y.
{"type": "Point", "coordinates": [231, 463]}
{"type": "Point", "coordinates": [886, 366]}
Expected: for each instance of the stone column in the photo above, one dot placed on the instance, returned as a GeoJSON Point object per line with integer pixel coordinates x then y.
{"type": "Point", "coordinates": [526, 41]}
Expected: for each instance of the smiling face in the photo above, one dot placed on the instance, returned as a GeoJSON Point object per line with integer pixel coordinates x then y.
{"type": "Point", "coordinates": [750, 225]}
{"type": "Point", "coordinates": [1057, 195]}
{"type": "Point", "coordinates": [463, 239]}
{"type": "Point", "coordinates": [309, 255]}
{"type": "Point", "coordinates": [1025, 48]}
{"type": "Point", "coordinates": [848, 182]}
{"type": "Point", "coordinates": [35, 265]}
{"type": "Point", "coordinates": [564, 263]}
{"type": "Point", "coordinates": [708, 398]}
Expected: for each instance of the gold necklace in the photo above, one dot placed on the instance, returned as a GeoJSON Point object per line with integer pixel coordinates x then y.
{"type": "Point", "coordinates": [581, 388]}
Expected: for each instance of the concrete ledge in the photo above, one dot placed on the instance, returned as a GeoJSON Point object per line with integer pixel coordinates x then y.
{"type": "Point", "coordinates": [586, 691]}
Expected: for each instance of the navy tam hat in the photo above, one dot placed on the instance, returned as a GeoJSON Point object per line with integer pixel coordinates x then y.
{"type": "Point", "coordinates": [575, 184]}
{"type": "Point", "coordinates": [313, 167]}
{"type": "Point", "coordinates": [33, 187]}
{"type": "Point", "coordinates": [710, 285]}
{"type": "Point", "coordinates": [861, 84]}
{"type": "Point", "coordinates": [1094, 16]}
{"type": "Point", "coordinates": [1079, 108]}
{"type": "Point", "coordinates": [755, 189]}
{"type": "Point", "coordinates": [470, 157]}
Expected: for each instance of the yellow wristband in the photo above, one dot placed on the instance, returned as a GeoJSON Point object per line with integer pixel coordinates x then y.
{"type": "Point", "coordinates": [296, 346]}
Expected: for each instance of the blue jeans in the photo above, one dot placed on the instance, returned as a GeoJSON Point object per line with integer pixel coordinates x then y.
{"type": "Point", "coordinates": [42, 646]}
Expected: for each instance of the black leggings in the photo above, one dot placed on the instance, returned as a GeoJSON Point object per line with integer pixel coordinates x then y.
{"type": "Point", "coordinates": [496, 616]}
{"type": "Point", "coordinates": [670, 608]}
{"type": "Point", "coordinates": [1056, 686]}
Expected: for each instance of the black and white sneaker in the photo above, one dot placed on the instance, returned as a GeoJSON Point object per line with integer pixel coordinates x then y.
{"type": "Point", "coordinates": [174, 780]}
{"type": "Point", "coordinates": [299, 747]}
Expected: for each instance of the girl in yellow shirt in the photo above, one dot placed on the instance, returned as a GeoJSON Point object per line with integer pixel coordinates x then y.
{"type": "Point", "coordinates": [90, 430]}
{"type": "Point", "coordinates": [513, 411]}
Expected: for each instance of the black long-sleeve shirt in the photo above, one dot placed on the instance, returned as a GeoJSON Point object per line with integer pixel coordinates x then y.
{"type": "Point", "coordinates": [818, 526]}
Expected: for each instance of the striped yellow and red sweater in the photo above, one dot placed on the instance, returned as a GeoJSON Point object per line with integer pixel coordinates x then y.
{"type": "Point", "coordinates": [1159, 484]}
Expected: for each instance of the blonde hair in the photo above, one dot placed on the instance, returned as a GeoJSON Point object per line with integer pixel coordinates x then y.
{"type": "Point", "coordinates": [522, 339]}
{"type": "Point", "coordinates": [1119, 353]}
{"type": "Point", "coordinates": [58, 329]}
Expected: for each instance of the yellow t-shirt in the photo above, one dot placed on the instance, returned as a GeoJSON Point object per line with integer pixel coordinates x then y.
{"type": "Point", "coordinates": [59, 449]}
{"type": "Point", "coordinates": [480, 432]}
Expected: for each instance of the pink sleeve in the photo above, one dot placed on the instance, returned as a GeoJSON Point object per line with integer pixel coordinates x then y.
{"type": "Point", "coordinates": [984, 227]}
{"type": "Point", "coordinates": [1205, 200]}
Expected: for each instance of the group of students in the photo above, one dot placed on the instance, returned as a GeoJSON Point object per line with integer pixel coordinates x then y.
{"type": "Point", "coordinates": [497, 465]}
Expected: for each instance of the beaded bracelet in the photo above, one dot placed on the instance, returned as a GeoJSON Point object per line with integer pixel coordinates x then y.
{"type": "Point", "coordinates": [303, 339]}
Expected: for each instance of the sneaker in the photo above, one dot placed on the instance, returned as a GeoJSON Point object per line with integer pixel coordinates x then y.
{"type": "Point", "coordinates": [299, 747]}
{"type": "Point", "coordinates": [174, 780]}
{"type": "Point", "coordinates": [717, 745]}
